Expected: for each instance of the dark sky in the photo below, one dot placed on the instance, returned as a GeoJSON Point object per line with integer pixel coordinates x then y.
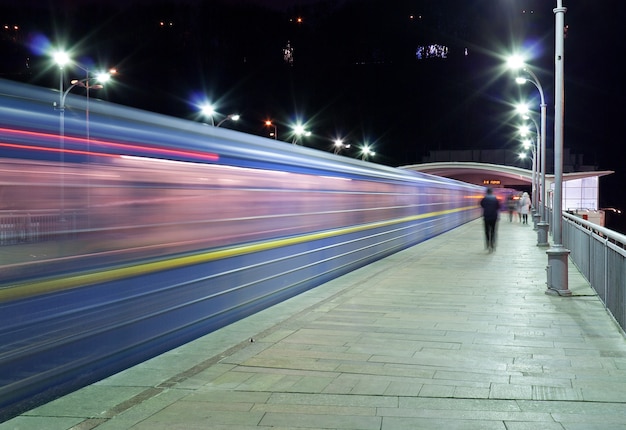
{"type": "Point", "coordinates": [354, 73]}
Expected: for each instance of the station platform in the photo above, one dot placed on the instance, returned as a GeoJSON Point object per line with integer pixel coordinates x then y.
{"type": "Point", "coordinates": [443, 335]}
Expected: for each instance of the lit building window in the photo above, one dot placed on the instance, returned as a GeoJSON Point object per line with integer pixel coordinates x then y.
{"type": "Point", "coordinates": [431, 51]}
{"type": "Point", "coordinates": [288, 53]}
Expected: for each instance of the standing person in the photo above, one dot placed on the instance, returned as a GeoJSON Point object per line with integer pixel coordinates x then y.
{"type": "Point", "coordinates": [524, 207]}
{"type": "Point", "coordinates": [491, 210]}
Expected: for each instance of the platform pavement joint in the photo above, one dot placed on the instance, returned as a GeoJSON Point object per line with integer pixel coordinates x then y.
{"type": "Point", "coordinates": [441, 335]}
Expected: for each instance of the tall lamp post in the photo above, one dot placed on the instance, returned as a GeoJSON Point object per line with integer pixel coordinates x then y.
{"type": "Point", "coordinates": [540, 178]}
{"type": "Point", "coordinates": [542, 150]}
{"type": "Point", "coordinates": [366, 151]}
{"type": "Point", "coordinates": [62, 58]}
{"type": "Point", "coordinates": [339, 145]}
{"type": "Point", "coordinates": [516, 62]}
{"type": "Point", "coordinates": [87, 85]}
{"type": "Point", "coordinates": [541, 228]}
{"type": "Point", "coordinates": [207, 109]}
{"type": "Point", "coordinates": [558, 255]}
{"type": "Point", "coordinates": [84, 83]}
{"type": "Point", "coordinates": [299, 131]}
{"type": "Point", "coordinates": [530, 144]}
{"type": "Point", "coordinates": [273, 134]}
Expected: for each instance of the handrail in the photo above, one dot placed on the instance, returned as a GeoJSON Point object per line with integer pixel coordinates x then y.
{"type": "Point", "coordinates": [599, 254]}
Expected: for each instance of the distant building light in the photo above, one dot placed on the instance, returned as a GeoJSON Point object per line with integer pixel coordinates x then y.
{"type": "Point", "coordinates": [288, 53]}
{"type": "Point", "coordinates": [431, 51]}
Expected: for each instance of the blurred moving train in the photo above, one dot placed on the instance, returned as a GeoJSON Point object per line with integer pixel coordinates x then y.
{"type": "Point", "coordinates": [125, 233]}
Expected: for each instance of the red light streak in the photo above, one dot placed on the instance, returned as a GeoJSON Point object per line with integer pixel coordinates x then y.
{"type": "Point", "coordinates": [119, 146]}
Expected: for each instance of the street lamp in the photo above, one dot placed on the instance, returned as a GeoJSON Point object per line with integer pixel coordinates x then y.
{"type": "Point", "coordinates": [84, 83]}
{"type": "Point", "coordinates": [299, 131]}
{"type": "Point", "coordinates": [524, 130]}
{"type": "Point", "coordinates": [274, 134]}
{"type": "Point", "coordinates": [339, 145]}
{"type": "Point", "coordinates": [207, 109]}
{"type": "Point", "coordinates": [517, 63]}
{"type": "Point", "coordinates": [87, 85]}
{"type": "Point", "coordinates": [540, 226]}
{"type": "Point", "coordinates": [527, 144]}
{"type": "Point", "coordinates": [61, 58]}
{"type": "Point", "coordinates": [231, 117]}
{"type": "Point", "coordinates": [558, 255]}
{"type": "Point", "coordinates": [366, 152]}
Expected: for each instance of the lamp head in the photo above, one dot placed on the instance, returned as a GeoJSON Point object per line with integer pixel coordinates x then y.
{"type": "Point", "coordinates": [521, 81]}
{"type": "Point", "coordinates": [207, 109]}
{"type": "Point", "coordinates": [515, 62]}
{"type": "Point", "coordinates": [61, 58]}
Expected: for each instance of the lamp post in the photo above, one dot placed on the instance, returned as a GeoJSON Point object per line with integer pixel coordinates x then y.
{"type": "Point", "coordinates": [516, 62]}
{"type": "Point", "coordinates": [84, 83]}
{"type": "Point", "coordinates": [231, 117]}
{"type": "Point", "coordinates": [558, 255]}
{"type": "Point", "coordinates": [87, 85]}
{"type": "Point", "coordinates": [542, 150]}
{"type": "Point", "coordinates": [536, 153]}
{"type": "Point", "coordinates": [366, 151]}
{"type": "Point", "coordinates": [207, 109]}
{"type": "Point", "coordinates": [269, 123]}
{"type": "Point", "coordinates": [531, 144]}
{"type": "Point", "coordinates": [528, 143]}
{"type": "Point", "coordinates": [62, 58]}
{"type": "Point", "coordinates": [299, 131]}
{"type": "Point", "coordinates": [540, 226]}
{"type": "Point", "coordinates": [339, 145]}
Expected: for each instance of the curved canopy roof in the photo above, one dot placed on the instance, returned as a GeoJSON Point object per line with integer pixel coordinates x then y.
{"type": "Point", "coordinates": [485, 173]}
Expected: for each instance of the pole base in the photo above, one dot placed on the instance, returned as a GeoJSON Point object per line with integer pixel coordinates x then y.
{"type": "Point", "coordinates": [542, 234]}
{"type": "Point", "coordinates": [557, 271]}
{"type": "Point", "coordinates": [536, 218]}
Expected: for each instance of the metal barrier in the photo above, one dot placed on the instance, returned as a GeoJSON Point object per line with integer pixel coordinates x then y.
{"type": "Point", "coordinates": [600, 255]}
{"type": "Point", "coordinates": [30, 227]}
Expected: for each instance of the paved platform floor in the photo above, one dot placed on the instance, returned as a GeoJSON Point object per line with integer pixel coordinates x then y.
{"type": "Point", "coordinates": [440, 336]}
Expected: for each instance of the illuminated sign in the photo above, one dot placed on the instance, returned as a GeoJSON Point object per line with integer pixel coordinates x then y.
{"type": "Point", "coordinates": [491, 181]}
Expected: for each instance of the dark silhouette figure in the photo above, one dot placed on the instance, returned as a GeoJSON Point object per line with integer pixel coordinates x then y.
{"type": "Point", "coordinates": [491, 211]}
{"type": "Point", "coordinates": [511, 205]}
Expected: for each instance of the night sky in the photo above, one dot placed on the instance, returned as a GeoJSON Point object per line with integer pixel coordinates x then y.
{"type": "Point", "coordinates": [355, 74]}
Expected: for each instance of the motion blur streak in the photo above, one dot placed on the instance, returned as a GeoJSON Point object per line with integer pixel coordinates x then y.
{"type": "Point", "coordinates": [54, 139]}
{"type": "Point", "coordinates": [84, 279]}
{"type": "Point", "coordinates": [155, 231]}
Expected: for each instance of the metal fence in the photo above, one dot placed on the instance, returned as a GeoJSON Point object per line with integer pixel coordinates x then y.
{"type": "Point", "coordinates": [34, 226]}
{"type": "Point", "coordinates": [600, 255]}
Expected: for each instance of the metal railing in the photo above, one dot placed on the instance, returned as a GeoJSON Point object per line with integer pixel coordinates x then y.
{"type": "Point", "coordinates": [600, 255]}
{"type": "Point", "coordinates": [17, 227]}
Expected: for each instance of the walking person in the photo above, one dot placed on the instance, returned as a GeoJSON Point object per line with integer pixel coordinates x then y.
{"type": "Point", "coordinates": [524, 207]}
{"type": "Point", "coordinates": [491, 213]}
{"type": "Point", "coordinates": [511, 205]}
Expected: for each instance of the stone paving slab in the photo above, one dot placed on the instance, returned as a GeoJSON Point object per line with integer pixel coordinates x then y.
{"type": "Point", "coordinates": [441, 335]}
